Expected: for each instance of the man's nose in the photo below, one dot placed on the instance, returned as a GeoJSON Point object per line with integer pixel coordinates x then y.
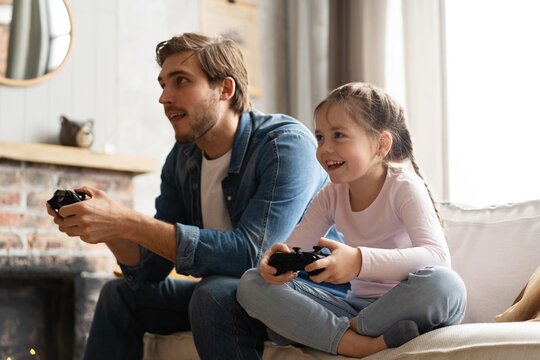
{"type": "Point", "coordinates": [165, 98]}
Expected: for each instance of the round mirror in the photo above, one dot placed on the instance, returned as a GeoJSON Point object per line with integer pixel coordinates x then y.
{"type": "Point", "coordinates": [35, 40]}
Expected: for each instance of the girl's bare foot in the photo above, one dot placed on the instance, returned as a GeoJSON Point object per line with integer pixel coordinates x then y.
{"type": "Point", "coordinates": [355, 345]}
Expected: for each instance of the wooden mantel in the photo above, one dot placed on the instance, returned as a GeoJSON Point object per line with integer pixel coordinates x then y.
{"type": "Point", "coordinates": [72, 156]}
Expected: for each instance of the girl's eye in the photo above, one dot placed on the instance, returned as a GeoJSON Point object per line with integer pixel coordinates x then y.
{"type": "Point", "coordinates": [318, 137]}
{"type": "Point", "coordinates": [338, 135]}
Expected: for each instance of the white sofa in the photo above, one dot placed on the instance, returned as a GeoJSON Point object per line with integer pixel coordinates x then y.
{"type": "Point", "coordinates": [494, 249]}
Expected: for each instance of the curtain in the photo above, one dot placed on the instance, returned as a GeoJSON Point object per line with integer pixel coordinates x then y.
{"type": "Point", "coordinates": [29, 39]}
{"type": "Point", "coordinates": [357, 31]}
{"type": "Point", "coordinates": [308, 57]}
{"type": "Point", "coordinates": [333, 42]}
{"type": "Point", "coordinates": [425, 84]}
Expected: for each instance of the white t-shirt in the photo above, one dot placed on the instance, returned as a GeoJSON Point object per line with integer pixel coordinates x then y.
{"type": "Point", "coordinates": [398, 233]}
{"type": "Point", "coordinates": [214, 211]}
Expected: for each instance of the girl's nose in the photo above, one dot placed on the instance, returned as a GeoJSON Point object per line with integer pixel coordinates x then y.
{"type": "Point", "coordinates": [326, 148]}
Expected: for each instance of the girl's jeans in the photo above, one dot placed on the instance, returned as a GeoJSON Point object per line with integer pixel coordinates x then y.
{"type": "Point", "coordinates": [432, 297]}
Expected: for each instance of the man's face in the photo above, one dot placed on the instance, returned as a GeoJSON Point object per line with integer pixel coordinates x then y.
{"type": "Point", "coordinates": [190, 103]}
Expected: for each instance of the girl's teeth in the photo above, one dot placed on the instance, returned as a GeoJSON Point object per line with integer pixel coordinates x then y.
{"type": "Point", "coordinates": [334, 164]}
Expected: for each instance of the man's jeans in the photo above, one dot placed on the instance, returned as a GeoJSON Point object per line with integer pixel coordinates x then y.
{"type": "Point", "coordinates": [207, 308]}
{"type": "Point", "coordinates": [432, 297]}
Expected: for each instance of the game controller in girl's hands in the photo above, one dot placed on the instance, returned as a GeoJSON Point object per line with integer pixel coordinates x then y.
{"type": "Point", "coordinates": [296, 260]}
{"type": "Point", "coordinates": [65, 197]}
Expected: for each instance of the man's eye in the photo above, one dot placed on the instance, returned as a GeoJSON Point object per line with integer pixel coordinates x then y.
{"type": "Point", "coordinates": [180, 80]}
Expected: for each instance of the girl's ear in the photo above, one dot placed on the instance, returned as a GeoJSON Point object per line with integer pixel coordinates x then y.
{"type": "Point", "coordinates": [385, 144]}
{"type": "Point", "coordinates": [228, 87]}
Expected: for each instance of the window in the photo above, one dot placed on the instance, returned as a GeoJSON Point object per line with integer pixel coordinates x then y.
{"type": "Point", "coordinates": [493, 77]}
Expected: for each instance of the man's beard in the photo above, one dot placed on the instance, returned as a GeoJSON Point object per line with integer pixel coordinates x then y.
{"type": "Point", "coordinates": [203, 118]}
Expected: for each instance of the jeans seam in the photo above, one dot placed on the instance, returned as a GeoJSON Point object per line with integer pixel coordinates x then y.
{"type": "Point", "coordinates": [337, 338]}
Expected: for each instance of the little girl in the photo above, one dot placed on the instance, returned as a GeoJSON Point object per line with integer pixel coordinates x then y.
{"type": "Point", "coordinates": [394, 253]}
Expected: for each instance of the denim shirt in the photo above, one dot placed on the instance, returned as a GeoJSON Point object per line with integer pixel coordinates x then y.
{"type": "Point", "coordinates": [272, 177]}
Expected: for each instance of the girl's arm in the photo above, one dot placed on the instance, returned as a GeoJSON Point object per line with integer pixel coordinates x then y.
{"type": "Point", "coordinates": [428, 243]}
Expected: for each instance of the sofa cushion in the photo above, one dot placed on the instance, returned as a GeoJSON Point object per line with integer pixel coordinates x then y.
{"type": "Point", "coordinates": [175, 346]}
{"type": "Point", "coordinates": [470, 341]}
{"type": "Point", "coordinates": [498, 341]}
{"type": "Point", "coordinates": [495, 250]}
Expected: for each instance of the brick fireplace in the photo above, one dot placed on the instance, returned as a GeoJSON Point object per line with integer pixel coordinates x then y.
{"type": "Point", "coordinates": [49, 282]}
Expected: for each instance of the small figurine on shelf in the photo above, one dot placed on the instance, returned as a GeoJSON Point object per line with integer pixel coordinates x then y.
{"type": "Point", "coordinates": [76, 133]}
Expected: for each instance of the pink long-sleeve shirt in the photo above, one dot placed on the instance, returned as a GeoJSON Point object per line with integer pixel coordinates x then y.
{"type": "Point", "coordinates": [397, 234]}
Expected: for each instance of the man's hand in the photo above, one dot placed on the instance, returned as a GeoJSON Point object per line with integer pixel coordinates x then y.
{"type": "Point", "coordinates": [267, 271]}
{"type": "Point", "coordinates": [95, 220]}
{"type": "Point", "coordinates": [341, 266]}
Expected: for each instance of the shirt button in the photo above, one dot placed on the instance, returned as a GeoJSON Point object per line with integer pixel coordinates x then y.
{"type": "Point", "coordinates": [229, 198]}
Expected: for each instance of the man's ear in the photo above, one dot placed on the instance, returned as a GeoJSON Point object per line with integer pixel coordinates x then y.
{"type": "Point", "coordinates": [385, 144]}
{"type": "Point", "coordinates": [228, 87]}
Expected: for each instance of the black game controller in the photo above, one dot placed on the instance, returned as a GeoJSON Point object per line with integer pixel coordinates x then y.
{"type": "Point", "coordinates": [296, 260]}
{"type": "Point", "coordinates": [65, 197]}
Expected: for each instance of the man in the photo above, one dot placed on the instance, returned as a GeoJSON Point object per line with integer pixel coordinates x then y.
{"type": "Point", "coordinates": [235, 182]}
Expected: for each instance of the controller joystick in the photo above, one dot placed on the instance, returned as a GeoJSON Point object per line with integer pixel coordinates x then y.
{"type": "Point", "coordinates": [296, 260]}
{"type": "Point", "coordinates": [65, 197]}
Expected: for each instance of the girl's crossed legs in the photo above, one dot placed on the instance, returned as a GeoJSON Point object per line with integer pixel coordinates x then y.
{"type": "Point", "coordinates": [432, 297]}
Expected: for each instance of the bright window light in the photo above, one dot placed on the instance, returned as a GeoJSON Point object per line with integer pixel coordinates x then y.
{"type": "Point", "coordinates": [394, 59]}
{"type": "Point", "coordinates": [493, 75]}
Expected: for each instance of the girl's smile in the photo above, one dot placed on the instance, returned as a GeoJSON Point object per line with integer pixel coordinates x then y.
{"type": "Point", "coordinates": [333, 165]}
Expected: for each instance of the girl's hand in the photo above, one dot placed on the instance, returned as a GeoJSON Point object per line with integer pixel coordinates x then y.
{"type": "Point", "coordinates": [341, 266]}
{"type": "Point", "coordinates": [267, 272]}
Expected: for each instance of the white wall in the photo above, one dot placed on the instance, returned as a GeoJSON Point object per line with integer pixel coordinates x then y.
{"type": "Point", "coordinates": [111, 78]}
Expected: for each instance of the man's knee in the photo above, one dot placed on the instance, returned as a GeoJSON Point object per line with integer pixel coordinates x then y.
{"type": "Point", "coordinates": [111, 294]}
{"type": "Point", "coordinates": [213, 295]}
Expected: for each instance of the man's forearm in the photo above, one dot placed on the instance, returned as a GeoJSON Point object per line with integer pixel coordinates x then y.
{"type": "Point", "coordinates": [126, 252]}
{"type": "Point", "coordinates": [155, 235]}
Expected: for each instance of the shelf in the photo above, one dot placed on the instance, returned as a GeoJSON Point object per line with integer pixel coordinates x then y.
{"type": "Point", "coordinates": [72, 156]}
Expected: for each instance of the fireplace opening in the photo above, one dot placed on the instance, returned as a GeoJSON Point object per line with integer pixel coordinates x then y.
{"type": "Point", "coordinates": [36, 318]}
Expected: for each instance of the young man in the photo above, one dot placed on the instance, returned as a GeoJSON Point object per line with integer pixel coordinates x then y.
{"type": "Point", "coordinates": [236, 182]}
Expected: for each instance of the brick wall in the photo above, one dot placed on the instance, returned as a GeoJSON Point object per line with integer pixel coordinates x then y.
{"type": "Point", "coordinates": [32, 247]}
{"type": "Point", "coordinates": [25, 226]}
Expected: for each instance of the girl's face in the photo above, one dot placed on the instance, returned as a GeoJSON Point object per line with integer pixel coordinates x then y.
{"type": "Point", "coordinates": [345, 150]}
